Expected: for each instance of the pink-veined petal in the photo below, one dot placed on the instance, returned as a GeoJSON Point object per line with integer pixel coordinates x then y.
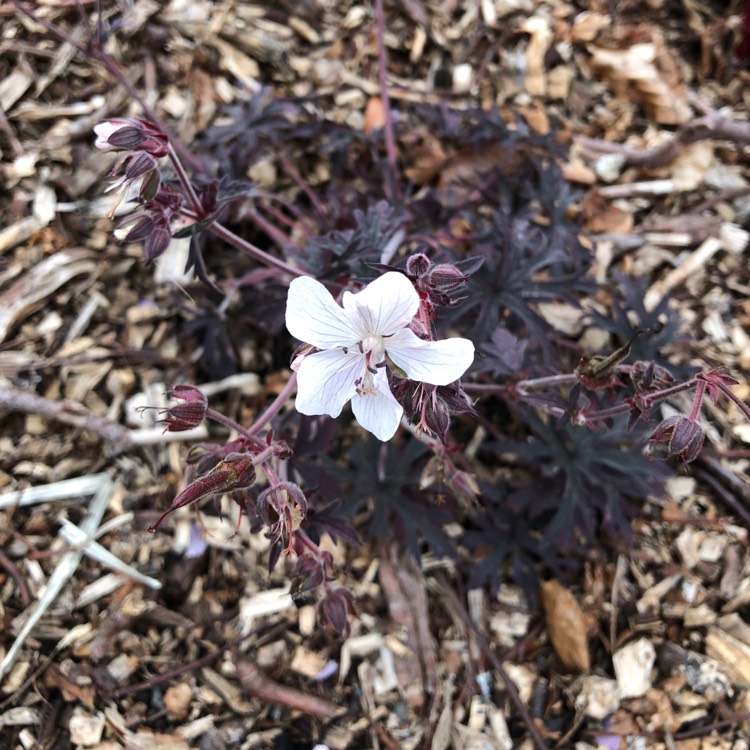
{"type": "Point", "coordinates": [433, 362]}
{"type": "Point", "coordinates": [313, 316]}
{"type": "Point", "coordinates": [383, 306]}
{"type": "Point", "coordinates": [379, 413]}
{"type": "Point", "coordinates": [325, 381]}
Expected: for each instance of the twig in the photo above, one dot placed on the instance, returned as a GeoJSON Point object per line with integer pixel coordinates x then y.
{"type": "Point", "coordinates": [120, 438]}
{"type": "Point", "coordinates": [255, 683]}
{"type": "Point", "coordinates": [24, 593]}
{"type": "Point", "coordinates": [460, 610]}
{"type": "Point", "coordinates": [94, 52]}
{"type": "Point", "coordinates": [275, 405]}
{"type": "Point", "coordinates": [255, 252]}
{"type": "Point", "coordinates": [713, 467]}
{"type": "Point", "coordinates": [293, 172]}
{"type": "Point", "coordinates": [725, 195]}
{"type": "Point", "coordinates": [64, 570]}
{"type": "Point", "coordinates": [710, 126]}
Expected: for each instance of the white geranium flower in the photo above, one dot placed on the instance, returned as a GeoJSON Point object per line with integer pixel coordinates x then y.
{"type": "Point", "coordinates": [356, 344]}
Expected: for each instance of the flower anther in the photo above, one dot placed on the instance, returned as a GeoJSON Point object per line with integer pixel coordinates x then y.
{"type": "Point", "coordinates": [358, 342]}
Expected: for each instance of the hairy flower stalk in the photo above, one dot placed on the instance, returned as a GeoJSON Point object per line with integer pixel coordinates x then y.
{"type": "Point", "coordinates": [356, 345]}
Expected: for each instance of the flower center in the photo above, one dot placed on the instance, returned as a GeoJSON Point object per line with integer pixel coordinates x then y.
{"type": "Point", "coordinates": [373, 348]}
{"type": "Point", "coordinates": [374, 352]}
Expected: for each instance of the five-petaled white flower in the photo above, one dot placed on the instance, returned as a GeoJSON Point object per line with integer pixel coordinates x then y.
{"type": "Point", "coordinates": [357, 342]}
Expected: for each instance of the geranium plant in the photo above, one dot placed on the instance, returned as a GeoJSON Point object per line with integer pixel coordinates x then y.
{"type": "Point", "coordinates": [415, 296]}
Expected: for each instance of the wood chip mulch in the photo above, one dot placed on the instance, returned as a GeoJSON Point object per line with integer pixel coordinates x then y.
{"type": "Point", "coordinates": [116, 638]}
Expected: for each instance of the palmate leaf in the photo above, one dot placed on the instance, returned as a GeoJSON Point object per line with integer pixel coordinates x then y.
{"type": "Point", "coordinates": [348, 252]}
{"type": "Point", "coordinates": [388, 476]}
{"type": "Point", "coordinates": [660, 325]}
{"type": "Point", "coordinates": [313, 440]}
{"type": "Point", "coordinates": [507, 538]}
{"type": "Point", "coordinates": [596, 480]}
{"type": "Point", "coordinates": [502, 355]}
{"type": "Point", "coordinates": [248, 130]}
{"type": "Point", "coordinates": [526, 261]}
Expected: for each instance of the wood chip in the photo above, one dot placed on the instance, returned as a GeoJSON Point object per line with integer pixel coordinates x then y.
{"type": "Point", "coordinates": [633, 664]}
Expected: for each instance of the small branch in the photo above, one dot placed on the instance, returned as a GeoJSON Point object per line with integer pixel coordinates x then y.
{"type": "Point", "coordinates": [738, 402]}
{"type": "Point", "coordinates": [92, 51]}
{"type": "Point", "coordinates": [710, 126]}
{"type": "Point", "coordinates": [24, 593]}
{"type": "Point", "coordinates": [120, 438]}
{"type": "Point", "coordinates": [730, 501]}
{"type": "Point", "coordinates": [70, 412]}
{"type": "Point", "coordinates": [257, 684]}
{"type": "Point", "coordinates": [217, 416]}
{"type": "Point", "coordinates": [293, 172]}
{"type": "Point", "coordinates": [184, 179]}
{"type": "Point", "coordinates": [281, 239]}
{"type": "Point", "coordinates": [255, 252]}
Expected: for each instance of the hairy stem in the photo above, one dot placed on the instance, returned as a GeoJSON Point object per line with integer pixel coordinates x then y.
{"type": "Point", "coordinates": [275, 406]}
{"type": "Point", "coordinates": [217, 416]}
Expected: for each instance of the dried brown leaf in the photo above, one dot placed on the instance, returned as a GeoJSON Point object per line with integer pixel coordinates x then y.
{"type": "Point", "coordinates": [566, 625]}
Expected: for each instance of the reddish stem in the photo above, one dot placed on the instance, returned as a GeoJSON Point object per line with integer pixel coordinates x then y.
{"type": "Point", "coordinates": [390, 141]}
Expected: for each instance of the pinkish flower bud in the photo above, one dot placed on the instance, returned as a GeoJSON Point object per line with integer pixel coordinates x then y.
{"type": "Point", "coordinates": [131, 135]}
{"type": "Point", "coordinates": [418, 264]}
{"type": "Point", "coordinates": [188, 414]}
{"type": "Point", "coordinates": [105, 130]}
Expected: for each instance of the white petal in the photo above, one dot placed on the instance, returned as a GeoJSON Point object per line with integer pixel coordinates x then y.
{"type": "Point", "coordinates": [325, 381]}
{"type": "Point", "coordinates": [433, 362]}
{"type": "Point", "coordinates": [379, 413]}
{"type": "Point", "coordinates": [384, 305]}
{"type": "Point", "coordinates": [313, 316]}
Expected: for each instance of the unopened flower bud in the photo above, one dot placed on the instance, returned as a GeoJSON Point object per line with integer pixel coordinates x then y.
{"type": "Point", "coordinates": [334, 609]}
{"type": "Point", "coordinates": [282, 450]}
{"type": "Point", "coordinates": [683, 435]}
{"type": "Point", "coordinates": [132, 134]}
{"type": "Point", "coordinates": [134, 228]}
{"type": "Point", "coordinates": [446, 277]}
{"type": "Point", "coordinates": [235, 472]}
{"type": "Point", "coordinates": [107, 129]}
{"type": "Point", "coordinates": [157, 242]}
{"type": "Point", "coordinates": [188, 414]}
{"type": "Point", "coordinates": [417, 265]}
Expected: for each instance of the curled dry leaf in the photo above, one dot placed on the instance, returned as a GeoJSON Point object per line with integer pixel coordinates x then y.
{"type": "Point", "coordinates": [566, 624]}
